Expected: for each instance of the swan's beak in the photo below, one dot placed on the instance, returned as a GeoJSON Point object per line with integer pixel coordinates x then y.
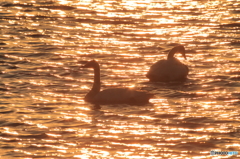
{"type": "Point", "coordinates": [86, 65]}
{"type": "Point", "coordinates": [184, 56]}
{"type": "Point", "coordinates": [83, 66]}
{"type": "Point", "coordinates": [90, 64]}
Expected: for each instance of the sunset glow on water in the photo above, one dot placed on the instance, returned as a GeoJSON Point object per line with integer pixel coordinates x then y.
{"type": "Point", "coordinates": [44, 44]}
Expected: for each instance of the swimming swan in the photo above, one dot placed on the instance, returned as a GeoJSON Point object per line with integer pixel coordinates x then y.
{"type": "Point", "coordinates": [113, 95]}
{"type": "Point", "coordinates": [169, 70]}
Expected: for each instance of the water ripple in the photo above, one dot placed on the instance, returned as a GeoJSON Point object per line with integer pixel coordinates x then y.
{"type": "Point", "coordinates": [43, 45]}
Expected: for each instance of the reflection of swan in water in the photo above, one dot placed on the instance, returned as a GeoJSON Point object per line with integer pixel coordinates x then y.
{"type": "Point", "coordinates": [169, 70]}
{"type": "Point", "coordinates": [113, 95]}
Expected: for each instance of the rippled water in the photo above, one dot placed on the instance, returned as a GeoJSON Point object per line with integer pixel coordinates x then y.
{"type": "Point", "coordinates": [42, 111]}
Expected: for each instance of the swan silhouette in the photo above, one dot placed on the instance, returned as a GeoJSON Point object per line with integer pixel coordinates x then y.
{"type": "Point", "coordinates": [113, 95]}
{"type": "Point", "coordinates": [169, 70]}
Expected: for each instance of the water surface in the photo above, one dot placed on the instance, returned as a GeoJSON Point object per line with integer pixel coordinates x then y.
{"type": "Point", "coordinates": [43, 44]}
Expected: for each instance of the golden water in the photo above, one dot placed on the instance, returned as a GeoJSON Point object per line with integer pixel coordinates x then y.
{"type": "Point", "coordinates": [42, 111]}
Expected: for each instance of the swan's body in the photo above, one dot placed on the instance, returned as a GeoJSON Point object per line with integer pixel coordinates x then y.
{"type": "Point", "coordinates": [113, 95]}
{"type": "Point", "coordinates": [169, 70]}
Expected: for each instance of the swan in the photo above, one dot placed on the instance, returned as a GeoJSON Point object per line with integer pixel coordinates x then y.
{"type": "Point", "coordinates": [113, 95]}
{"type": "Point", "coordinates": [170, 69]}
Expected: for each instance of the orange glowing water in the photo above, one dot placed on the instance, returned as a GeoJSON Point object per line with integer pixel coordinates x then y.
{"type": "Point", "coordinates": [42, 111]}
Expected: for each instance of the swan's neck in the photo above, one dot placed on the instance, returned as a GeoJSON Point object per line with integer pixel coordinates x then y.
{"type": "Point", "coordinates": [176, 49]}
{"type": "Point", "coordinates": [171, 53]}
{"type": "Point", "coordinates": [96, 85]}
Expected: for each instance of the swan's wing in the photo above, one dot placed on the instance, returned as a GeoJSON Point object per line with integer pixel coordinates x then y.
{"type": "Point", "coordinates": [167, 70]}
{"type": "Point", "coordinates": [121, 95]}
{"type": "Point", "coordinates": [158, 71]}
{"type": "Point", "coordinates": [140, 97]}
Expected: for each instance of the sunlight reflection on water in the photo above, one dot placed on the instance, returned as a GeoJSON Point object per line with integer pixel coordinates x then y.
{"type": "Point", "coordinates": [43, 45]}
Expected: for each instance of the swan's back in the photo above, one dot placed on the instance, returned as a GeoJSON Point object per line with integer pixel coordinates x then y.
{"type": "Point", "coordinates": [121, 95]}
{"type": "Point", "coordinates": [168, 70]}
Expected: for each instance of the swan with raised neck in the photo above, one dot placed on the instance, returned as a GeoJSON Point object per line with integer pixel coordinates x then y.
{"type": "Point", "coordinates": [96, 84]}
{"type": "Point", "coordinates": [170, 69]}
{"type": "Point", "coordinates": [113, 95]}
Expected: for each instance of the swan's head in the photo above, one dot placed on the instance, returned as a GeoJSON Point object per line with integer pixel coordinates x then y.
{"type": "Point", "coordinates": [181, 49]}
{"type": "Point", "coordinates": [91, 64]}
{"type": "Point", "coordinates": [177, 49]}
